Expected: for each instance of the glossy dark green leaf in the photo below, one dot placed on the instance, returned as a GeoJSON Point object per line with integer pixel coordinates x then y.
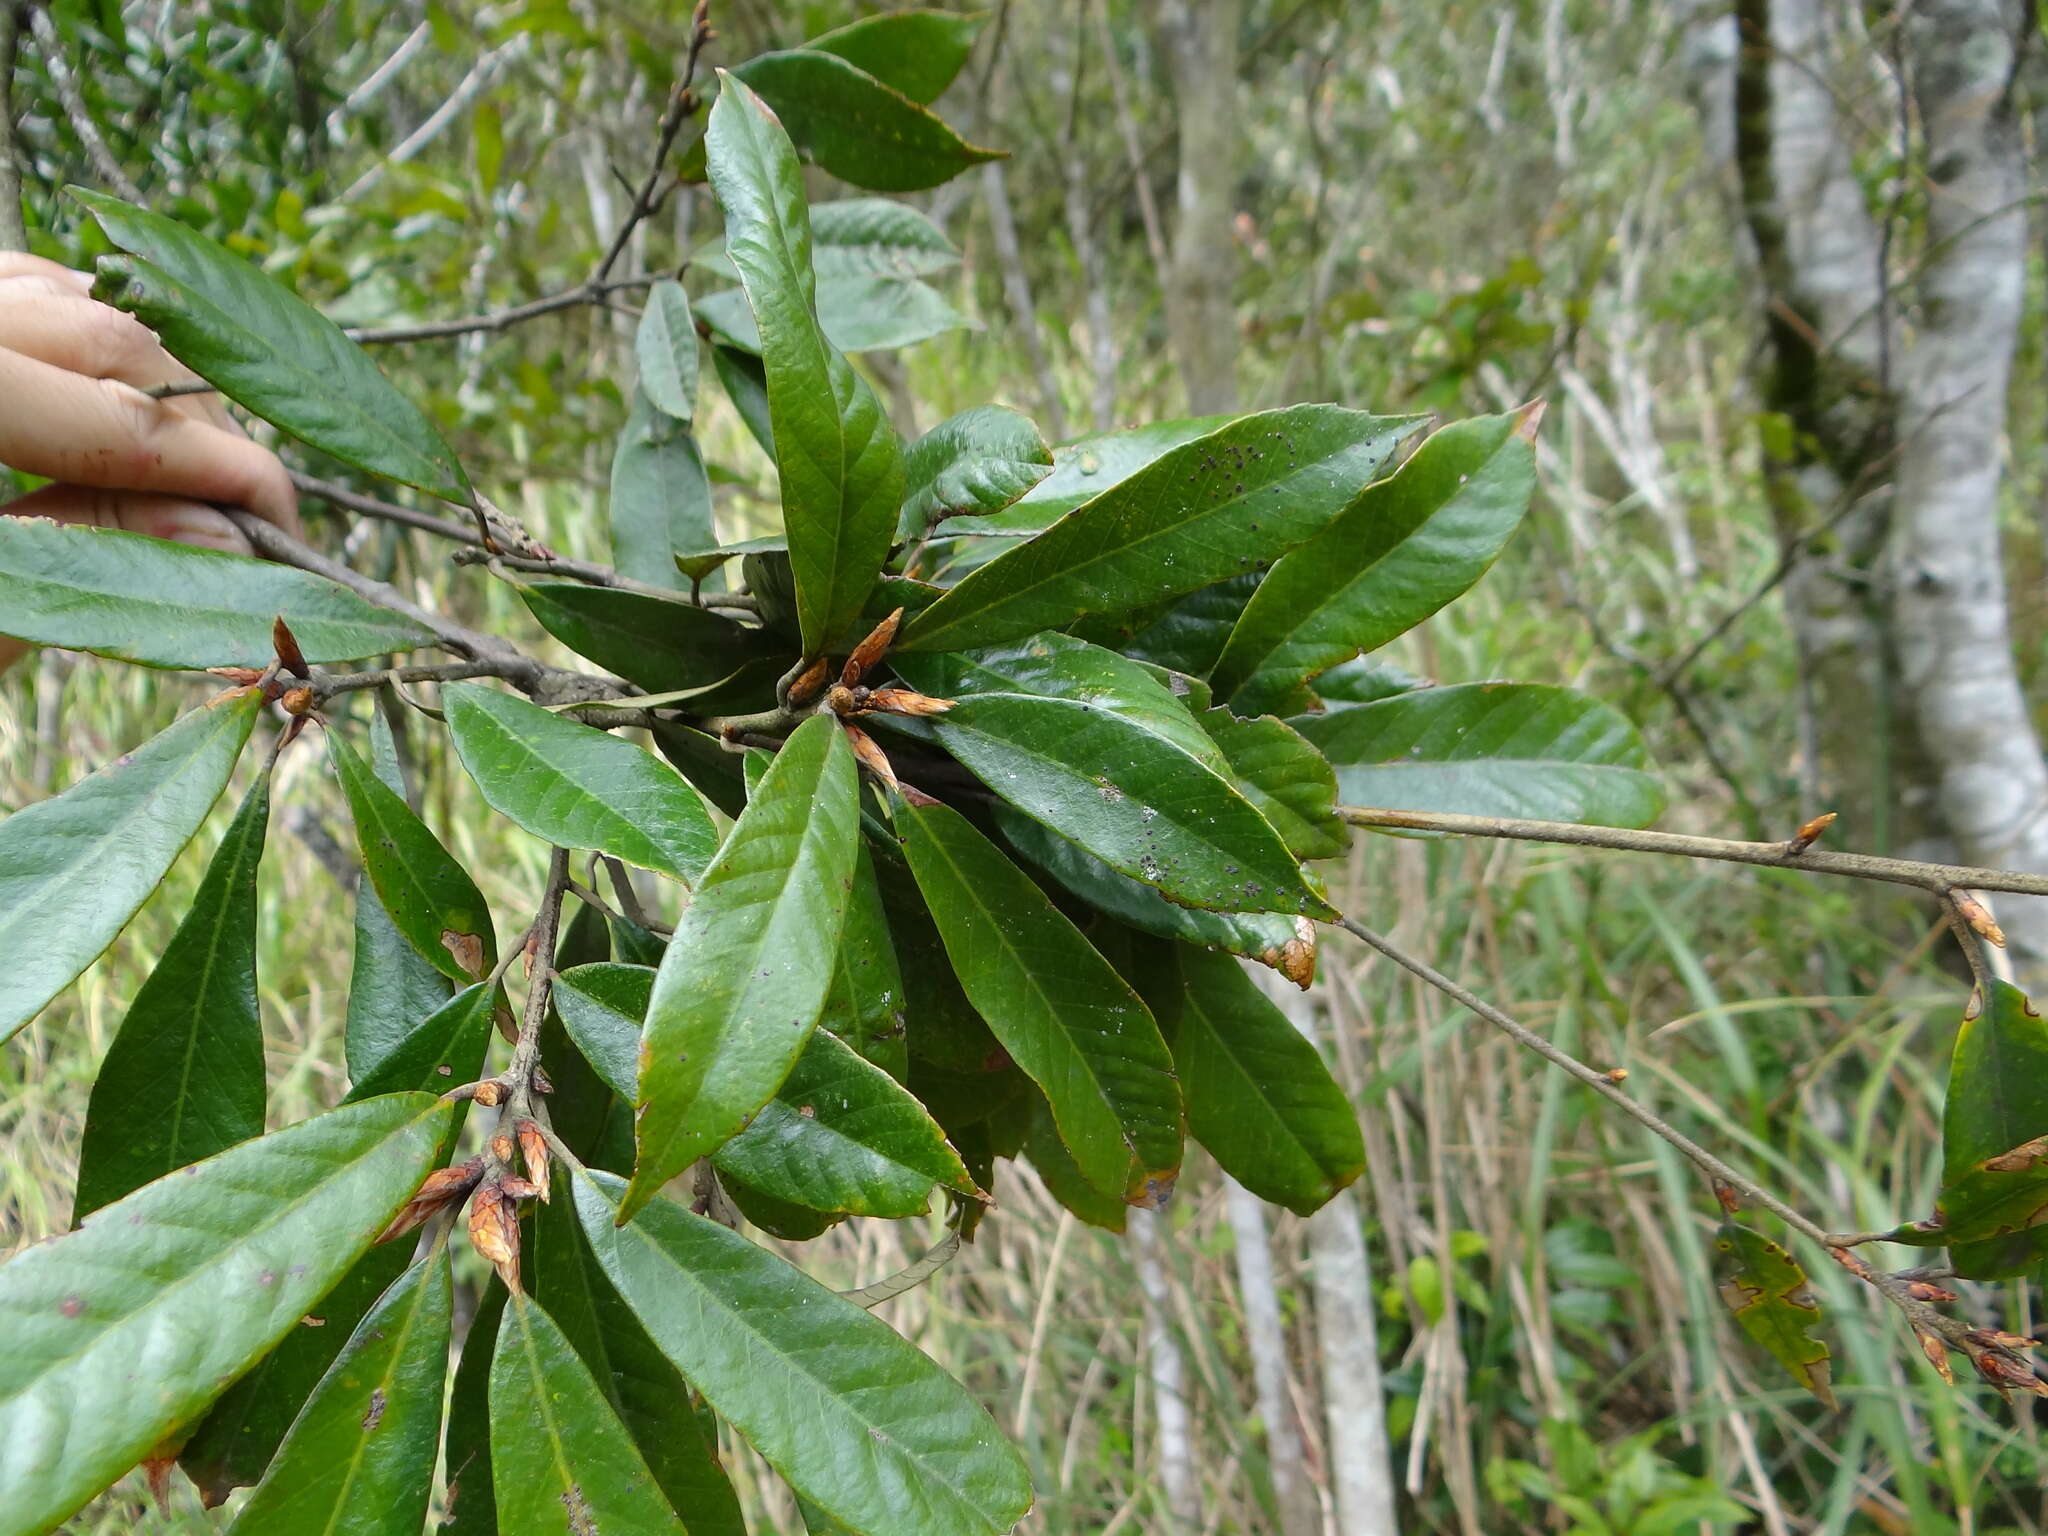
{"type": "Point", "coordinates": [859, 1421]}
{"type": "Point", "coordinates": [666, 349]}
{"type": "Point", "coordinates": [1397, 554]}
{"type": "Point", "coordinates": [1993, 1203]}
{"type": "Point", "coordinates": [1364, 680]}
{"type": "Point", "coordinates": [840, 1135]}
{"type": "Point", "coordinates": [858, 312]}
{"type": "Point", "coordinates": [865, 1006]}
{"type": "Point", "coordinates": [1267, 937]}
{"type": "Point", "coordinates": [1185, 635]}
{"type": "Point", "coordinates": [147, 600]}
{"type": "Point", "coordinates": [576, 786]}
{"type": "Point", "coordinates": [197, 1275]}
{"type": "Point", "coordinates": [848, 123]}
{"type": "Point", "coordinates": [941, 1025]}
{"type": "Point", "coordinates": [1083, 470]}
{"type": "Point", "coordinates": [360, 1459]}
{"type": "Point", "coordinates": [745, 977]}
{"type": "Point", "coordinates": [75, 867]}
{"type": "Point", "coordinates": [1215, 507]}
{"type": "Point", "coordinates": [860, 237]}
{"type": "Point", "coordinates": [660, 495]}
{"type": "Point", "coordinates": [184, 1076]}
{"type": "Point", "coordinates": [1491, 749]}
{"type": "Point", "coordinates": [430, 898]}
{"type": "Point", "coordinates": [1769, 1295]}
{"type": "Point", "coordinates": [660, 645]}
{"type": "Point", "coordinates": [972, 464]}
{"type": "Point", "coordinates": [235, 1442]}
{"type": "Point", "coordinates": [1290, 782]}
{"type": "Point", "coordinates": [444, 1050]}
{"type": "Point", "coordinates": [561, 1459]}
{"type": "Point", "coordinates": [391, 986]}
{"type": "Point", "coordinates": [266, 349]}
{"type": "Point", "coordinates": [915, 52]}
{"type": "Point", "coordinates": [745, 381]}
{"type": "Point", "coordinates": [1074, 1026]}
{"type": "Point", "coordinates": [1097, 749]}
{"type": "Point", "coordinates": [1259, 1097]}
{"type": "Point", "coordinates": [841, 466]}
{"type": "Point", "coordinates": [471, 1505]}
{"type": "Point", "coordinates": [650, 1397]}
{"type": "Point", "coordinates": [1055, 1165]}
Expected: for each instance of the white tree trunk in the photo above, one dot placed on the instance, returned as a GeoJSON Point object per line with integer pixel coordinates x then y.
{"type": "Point", "coordinates": [1167, 1370]}
{"type": "Point", "coordinates": [1201, 39]}
{"type": "Point", "coordinates": [1354, 1403]}
{"type": "Point", "coordinates": [1266, 1339]}
{"type": "Point", "coordinates": [1947, 577]}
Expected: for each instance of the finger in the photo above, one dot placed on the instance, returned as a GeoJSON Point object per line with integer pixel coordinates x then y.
{"type": "Point", "coordinates": [99, 432]}
{"type": "Point", "coordinates": [161, 517]}
{"type": "Point", "coordinates": [21, 264]}
{"type": "Point", "coordinates": [82, 336]}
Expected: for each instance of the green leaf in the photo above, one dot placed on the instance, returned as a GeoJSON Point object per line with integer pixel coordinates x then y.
{"type": "Point", "coordinates": [745, 380]}
{"type": "Point", "coordinates": [147, 600]}
{"type": "Point", "coordinates": [472, 1508]}
{"type": "Point", "coordinates": [1215, 507]}
{"type": "Point", "coordinates": [1267, 937]}
{"type": "Point", "coordinates": [865, 1006]}
{"type": "Point", "coordinates": [745, 977]}
{"type": "Point", "coordinates": [850, 124]}
{"type": "Point", "coordinates": [660, 495]}
{"type": "Point", "coordinates": [577, 787]}
{"type": "Point", "coordinates": [1084, 469]}
{"type": "Point", "coordinates": [858, 312]}
{"type": "Point", "coordinates": [1259, 1097]}
{"type": "Point", "coordinates": [1403, 549]}
{"type": "Point", "coordinates": [444, 1050]}
{"type": "Point", "coordinates": [841, 466]}
{"type": "Point", "coordinates": [915, 52]}
{"type": "Point", "coordinates": [859, 1421]}
{"type": "Point", "coordinates": [666, 349]}
{"type": "Point", "coordinates": [267, 350]}
{"type": "Point", "coordinates": [650, 1397]}
{"type": "Point", "coordinates": [1491, 749]}
{"type": "Point", "coordinates": [430, 898]}
{"type": "Point", "coordinates": [1185, 635]}
{"type": "Point", "coordinates": [860, 237]}
{"type": "Point", "coordinates": [1065, 1017]}
{"type": "Point", "coordinates": [977, 462]}
{"type": "Point", "coordinates": [560, 1457]}
{"type": "Point", "coordinates": [1994, 1191]}
{"type": "Point", "coordinates": [1364, 680]}
{"type": "Point", "coordinates": [240, 1434]}
{"type": "Point", "coordinates": [1098, 750]}
{"type": "Point", "coordinates": [184, 1076]}
{"type": "Point", "coordinates": [1767, 1291]}
{"type": "Point", "coordinates": [196, 1275]}
{"type": "Point", "coordinates": [839, 1134]}
{"type": "Point", "coordinates": [74, 868]}
{"type": "Point", "coordinates": [390, 984]}
{"type": "Point", "coordinates": [1055, 1165]}
{"type": "Point", "coordinates": [1287, 779]}
{"type": "Point", "coordinates": [661, 645]}
{"type": "Point", "coordinates": [360, 1459]}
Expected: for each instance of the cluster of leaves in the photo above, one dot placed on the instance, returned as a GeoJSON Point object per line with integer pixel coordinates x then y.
{"type": "Point", "coordinates": [981, 781]}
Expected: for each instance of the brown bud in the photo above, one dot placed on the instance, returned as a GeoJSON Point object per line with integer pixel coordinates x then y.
{"type": "Point", "coordinates": [868, 752]}
{"type": "Point", "coordinates": [1936, 1353]}
{"type": "Point", "coordinates": [901, 701]}
{"type": "Point", "coordinates": [1616, 1074]}
{"type": "Point", "coordinates": [1978, 916]}
{"type": "Point", "coordinates": [843, 701]}
{"type": "Point", "coordinates": [515, 1188]}
{"type": "Point", "coordinates": [810, 682]}
{"type": "Point", "coordinates": [494, 1232]}
{"type": "Point", "coordinates": [241, 677]}
{"type": "Point", "coordinates": [297, 701]}
{"type": "Point", "coordinates": [1730, 1200]}
{"type": "Point", "coordinates": [533, 1148]}
{"type": "Point", "coordinates": [501, 1147]}
{"type": "Point", "coordinates": [442, 1187]}
{"type": "Point", "coordinates": [490, 1092]}
{"type": "Point", "coordinates": [1809, 832]}
{"type": "Point", "coordinates": [289, 657]}
{"type": "Point", "coordinates": [1928, 1291]}
{"type": "Point", "coordinates": [872, 649]}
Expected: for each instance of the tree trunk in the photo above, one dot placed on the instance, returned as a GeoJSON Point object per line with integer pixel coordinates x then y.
{"type": "Point", "coordinates": [1201, 38]}
{"type": "Point", "coordinates": [1947, 578]}
{"type": "Point", "coordinates": [1167, 1370]}
{"type": "Point", "coordinates": [1294, 1497]}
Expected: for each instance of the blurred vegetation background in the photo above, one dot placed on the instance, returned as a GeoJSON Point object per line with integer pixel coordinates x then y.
{"type": "Point", "coordinates": [1456, 206]}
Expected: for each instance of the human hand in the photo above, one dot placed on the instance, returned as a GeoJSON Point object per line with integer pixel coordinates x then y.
{"type": "Point", "coordinates": [72, 409]}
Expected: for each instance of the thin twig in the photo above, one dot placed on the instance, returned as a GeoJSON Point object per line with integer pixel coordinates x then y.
{"type": "Point", "coordinates": [1936, 878]}
{"type": "Point", "coordinates": [682, 102]}
{"type": "Point", "coordinates": [540, 947]}
{"type": "Point", "coordinates": [327, 684]}
{"type": "Point", "coordinates": [75, 110]}
{"type": "Point", "coordinates": [503, 319]}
